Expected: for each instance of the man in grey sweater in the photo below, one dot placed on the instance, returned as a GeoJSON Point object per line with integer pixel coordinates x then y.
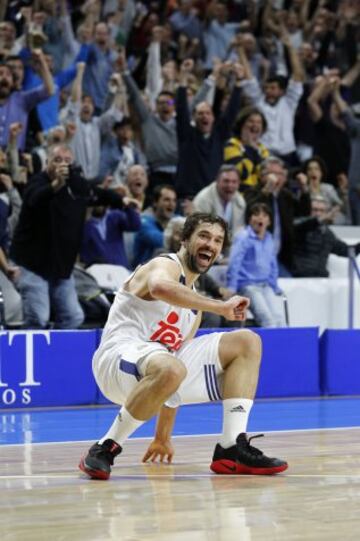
{"type": "Point", "coordinates": [158, 130]}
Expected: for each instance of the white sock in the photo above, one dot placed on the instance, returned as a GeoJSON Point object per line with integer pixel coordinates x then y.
{"type": "Point", "coordinates": [235, 418]}
{"type": "Point", "coordinates": [123, 426]}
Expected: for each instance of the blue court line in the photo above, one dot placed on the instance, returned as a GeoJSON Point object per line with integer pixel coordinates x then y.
{"type": "Point", "coordinates": [79, 424]}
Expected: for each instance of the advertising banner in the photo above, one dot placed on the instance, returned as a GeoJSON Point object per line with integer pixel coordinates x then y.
{"type": "Point", "coordinates": [46, 368]}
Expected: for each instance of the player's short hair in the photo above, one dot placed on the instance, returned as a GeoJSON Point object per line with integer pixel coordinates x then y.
{"type": "Point", "coordinates": [197, 218]}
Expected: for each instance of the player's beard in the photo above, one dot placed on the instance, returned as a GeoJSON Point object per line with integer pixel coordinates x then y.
{"type": "Point", "coordinates": [190, 261]}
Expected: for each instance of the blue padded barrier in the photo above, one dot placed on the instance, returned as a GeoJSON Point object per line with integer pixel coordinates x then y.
{"type": "Point", "coordinates": [46, 368]}
{"type": "Point", "coordinates": [290, 364]}
{"type": "Point", "coordinates": [340, 362]}
{"type": "Point", "coordinates": [53, 368]}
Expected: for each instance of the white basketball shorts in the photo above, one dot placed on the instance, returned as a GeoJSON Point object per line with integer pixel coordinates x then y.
{"type": "Point", "coordinates": [118, 371]}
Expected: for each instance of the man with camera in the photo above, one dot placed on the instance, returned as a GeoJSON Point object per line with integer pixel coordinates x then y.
{"type": "Point", "coordinates": [48, 237]}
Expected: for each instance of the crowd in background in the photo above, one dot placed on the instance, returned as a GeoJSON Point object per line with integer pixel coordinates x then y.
{"type": "Point", "coordinates": [118, 117]}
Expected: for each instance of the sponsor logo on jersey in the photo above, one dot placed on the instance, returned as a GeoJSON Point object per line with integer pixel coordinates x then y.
{"type": "Point", "coordinates": [167, 333]}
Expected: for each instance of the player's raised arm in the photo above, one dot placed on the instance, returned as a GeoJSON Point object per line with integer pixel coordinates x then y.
{"type": "Point", "coordinates": [163, 284]}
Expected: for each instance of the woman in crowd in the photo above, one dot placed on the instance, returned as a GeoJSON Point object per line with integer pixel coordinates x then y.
{"type": "Point", "coordinates": [244, 149]}
{"type": "Point", "coordinates": [315, 170]}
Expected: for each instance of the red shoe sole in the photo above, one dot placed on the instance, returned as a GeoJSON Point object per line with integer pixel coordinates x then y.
{"type": "Point", "coordinates": [228, 467]}
{"type": "Point", "coordinates": [94, 474]}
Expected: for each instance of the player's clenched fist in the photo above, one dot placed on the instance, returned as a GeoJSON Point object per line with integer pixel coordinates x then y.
{"type": "Point", "coordinates": [235, 308]}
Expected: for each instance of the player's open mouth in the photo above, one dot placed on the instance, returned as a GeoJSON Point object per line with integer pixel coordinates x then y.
{"type": "Point", "coordinates": [205, 257]}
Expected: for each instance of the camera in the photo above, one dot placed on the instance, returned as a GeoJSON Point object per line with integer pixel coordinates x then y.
{"type": "Point", "coordinates": [75, 170]}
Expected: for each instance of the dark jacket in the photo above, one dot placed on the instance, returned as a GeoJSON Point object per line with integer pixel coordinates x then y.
{"type": "Point", "coordinates": [48, 235]}
{"type": "Point", "coordinates": [200, 158]}
{"type": "Point", "coordinates": [290, 207]}
{"type": "Point", "coordinates": [108, 246]}
{"type": "Point", "coordinates": [314, 242]}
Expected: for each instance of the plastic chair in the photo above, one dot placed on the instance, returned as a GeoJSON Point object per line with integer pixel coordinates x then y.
{"type": "Point", "coordinates": [109, 276]}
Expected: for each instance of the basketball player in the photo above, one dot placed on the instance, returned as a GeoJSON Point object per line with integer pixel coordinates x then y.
{"type": "Point", "coordinates": [148, 361]}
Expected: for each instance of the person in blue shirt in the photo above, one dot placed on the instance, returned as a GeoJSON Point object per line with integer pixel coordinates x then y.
{"type": "Point", "coordinates": [99, 66]}
{"type": "Point", "coordinates": [119, 152]}
{"type": "Point", "coordinates": [103, 236]}
{"type": "Point", "coordinates": [253, 268]}
{"type": "Point", "coordinates": [153, 222]}
{"type": "Point", "coordinates": [48, 110]}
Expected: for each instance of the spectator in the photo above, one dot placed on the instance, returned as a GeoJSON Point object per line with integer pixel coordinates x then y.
{"type": "Point", "coordinates": [222, 197]}
{"type": "Point", "coordinates": [135, 186]}
{"type": "Point", "coordinates": [151, 235]}
{"type": "Point", "coordinates": [158, 131]}
{"type": "Point", "coordinates": [45, 21]}
{"type": "Point", "coordinates": [48, 237]}
{"type": "Point", "coordinates": [16, 105]}
{"type": "Point", "coordinates": [278, 104]}
{"type": "Point", "coordinates": [314, 241]}
{"type": "Point", "coordinates": [284, 205]}
{"type": "Point", "coordinates": [315, 170]}
{"type": "Point", "coordinates": [103, 240]}
{"type": "Point", "coordinates": [201, 145]}
{"type": "Point", "coordinates": [120, 152]}
{"type": "Point", "coordinates": [245, 42]}
{"type": "Point", "coordinates": [351, 118]}
{"type": "Point", "coordinates": [331, 142]}
{"type": "Point", "coordinates": [16, 65]}
{"type": "Point", "coordinates": [244, 150]}
{"type": "Point", "coordinates": [218, 33]}
{"type": "Point", "coordinates": [18, 166]}
{"type": "Point", "coordinates": [136, 183]}
{"type": "Point", "coordinates": [10, 204]}
{"type": "Point", "coordinates": [8, 43]}
{"type": "Point", "coordinates": [253, 269]}
{"type": "Point", "coordinates": [48, 110]}
{"type": "Point", "coordinates": [173, 234]}
{"type": "Point", "coordinates": [72, 42]}
{"type": "Point", "coordinates": [89, 128]}
{"type": "Point", "coordinates": [99, 66]}
{"type": "Point", "coordinates": [185, 22]}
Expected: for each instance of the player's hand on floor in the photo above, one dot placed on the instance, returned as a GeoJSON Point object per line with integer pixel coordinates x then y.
{"type": "Point", "coordinates": [158, 450]}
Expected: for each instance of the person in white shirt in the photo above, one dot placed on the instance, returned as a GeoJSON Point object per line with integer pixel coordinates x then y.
{"type": "Point", "coordinates": [86, 141]}
{"type": "Point", "coordinates": [278, 103]}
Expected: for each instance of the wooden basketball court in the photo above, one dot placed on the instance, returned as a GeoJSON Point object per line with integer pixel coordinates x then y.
{"type": "Point", "coordinates": [44, 497]}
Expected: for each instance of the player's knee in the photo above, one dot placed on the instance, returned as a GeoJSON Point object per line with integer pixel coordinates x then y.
{"type": "Point", "coordinates": [171, 376]}
{"type": "Point", "coordinates": [248, 344]}
{"type": "Point", "coordinates": [252, 345]}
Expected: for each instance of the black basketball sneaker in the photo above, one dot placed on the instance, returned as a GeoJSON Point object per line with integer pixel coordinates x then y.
{"type": "Point", "coordinates": [97, 463]}
{"type": "Point", "coordinates": [243, 458]}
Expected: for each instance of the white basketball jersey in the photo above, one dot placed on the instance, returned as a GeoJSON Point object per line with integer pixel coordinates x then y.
{"type": "Point", "coordinates": [133, 318]}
